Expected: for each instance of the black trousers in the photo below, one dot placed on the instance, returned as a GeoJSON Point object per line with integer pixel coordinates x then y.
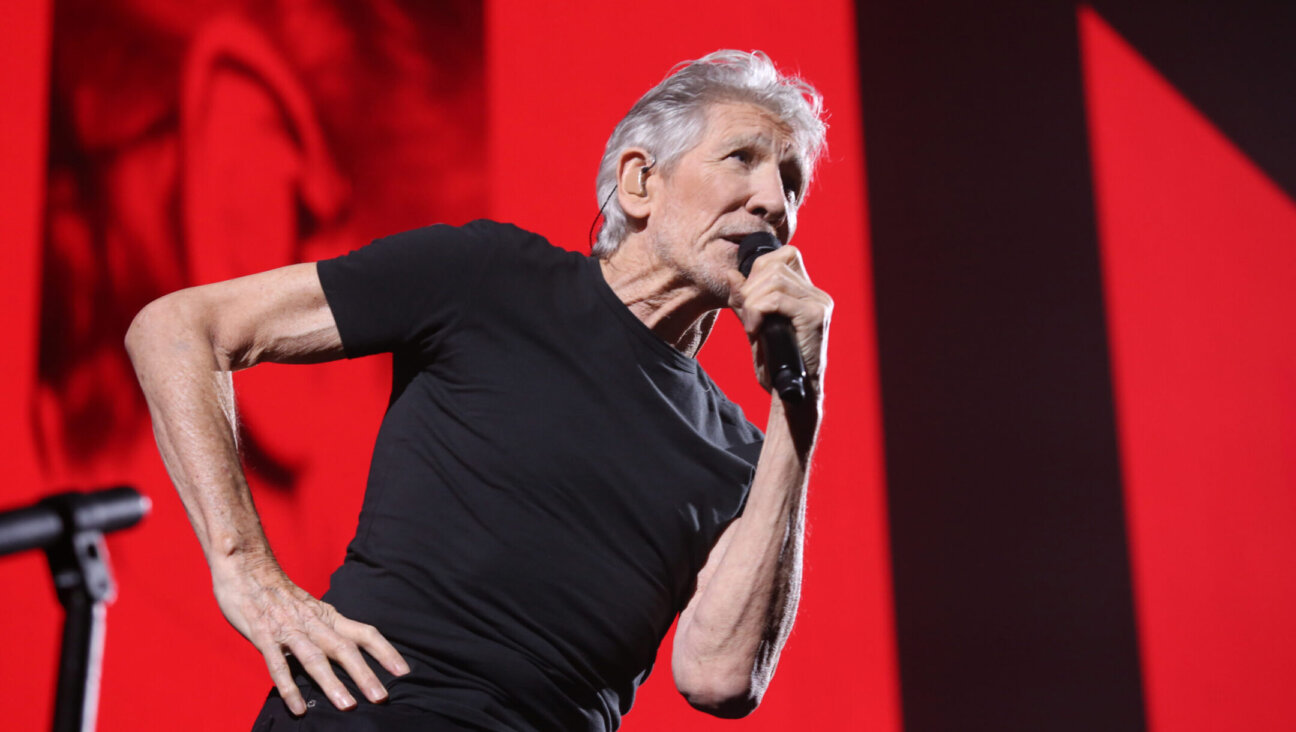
{"type": "Point", "coordinates": [322, 716]}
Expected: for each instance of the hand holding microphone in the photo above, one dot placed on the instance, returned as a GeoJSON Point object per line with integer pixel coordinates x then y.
{"type": "Point", "coordinates": [788, 290]}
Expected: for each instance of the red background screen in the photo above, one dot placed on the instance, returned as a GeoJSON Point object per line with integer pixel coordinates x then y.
{"type": "Point", "coordinates": [187, 146]}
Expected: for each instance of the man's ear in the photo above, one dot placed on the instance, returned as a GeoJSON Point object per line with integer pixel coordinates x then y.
{"type": "Point", "coordinates": [257, 176]}
{"type": "Point", "coordinates": [635, 171]}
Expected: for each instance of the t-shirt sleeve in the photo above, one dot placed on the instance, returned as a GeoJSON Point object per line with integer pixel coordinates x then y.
{"type": "Point", "coordinates": [402, 292]}
{"type": "Point", "coordinates": [744, 439]}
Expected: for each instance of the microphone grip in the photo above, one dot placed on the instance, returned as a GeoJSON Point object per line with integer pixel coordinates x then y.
{"type": "Point", "coordinates": [782, 357]}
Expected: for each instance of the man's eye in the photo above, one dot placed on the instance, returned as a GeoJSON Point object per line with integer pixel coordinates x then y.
{"type": "Point", "coordinates": [742, 156]}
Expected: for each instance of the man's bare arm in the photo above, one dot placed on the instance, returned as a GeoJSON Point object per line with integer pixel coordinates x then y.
{"type": "Point", "coordinates": [730, 634]}
{"type": "Point", "coordinates": [185, 347]}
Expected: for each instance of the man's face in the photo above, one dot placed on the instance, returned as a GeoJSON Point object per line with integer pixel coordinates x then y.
{"type": "Point", "coordinates": [745, 175]}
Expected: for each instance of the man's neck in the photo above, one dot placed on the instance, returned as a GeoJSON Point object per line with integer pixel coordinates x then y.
{"type": "Point", "coordinates": [676, 310]}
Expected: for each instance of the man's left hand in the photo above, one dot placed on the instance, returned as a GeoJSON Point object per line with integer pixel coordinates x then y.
{"type": "Point", "coordinates": [779, 284]}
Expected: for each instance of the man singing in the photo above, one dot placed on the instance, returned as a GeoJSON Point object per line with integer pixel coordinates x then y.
{"type": "Point", "coordinates": [555, 477]}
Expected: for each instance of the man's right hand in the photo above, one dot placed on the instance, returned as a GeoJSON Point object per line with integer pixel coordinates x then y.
{"type": "Point", "coordinates": [279, 617]}
{"type": "Point", "coordinates": [185, 347]}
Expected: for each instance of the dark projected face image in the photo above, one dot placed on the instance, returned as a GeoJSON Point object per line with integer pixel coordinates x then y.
{"type": "Point", "coordinates": [195, 142]}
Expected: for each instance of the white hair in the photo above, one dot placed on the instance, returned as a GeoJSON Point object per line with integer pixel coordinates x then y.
{"type": "Point", "coordinates": [670, 120]}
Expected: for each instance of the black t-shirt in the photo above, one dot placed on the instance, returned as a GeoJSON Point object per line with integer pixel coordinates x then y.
{"type": "Point", "coordinates": [546, 484]}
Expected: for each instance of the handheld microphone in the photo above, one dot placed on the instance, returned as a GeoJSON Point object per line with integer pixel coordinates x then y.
{"type": "Point", "coordinates": [777, 336]}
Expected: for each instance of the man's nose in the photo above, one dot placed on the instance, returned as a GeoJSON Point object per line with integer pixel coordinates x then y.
{"type": "Point", "coordinates": [767, 199]}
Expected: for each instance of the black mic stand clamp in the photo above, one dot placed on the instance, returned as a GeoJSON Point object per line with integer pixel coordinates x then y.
{"type": "Point", "coordinates": [84, 583]}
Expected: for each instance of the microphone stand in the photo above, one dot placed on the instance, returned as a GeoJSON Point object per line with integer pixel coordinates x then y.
{"type": "Point", "coordinates": [70, 527]}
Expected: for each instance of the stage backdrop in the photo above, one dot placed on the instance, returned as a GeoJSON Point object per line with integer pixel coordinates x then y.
{"type": "Point", "coordinates": [164, 146]}
{"type": "Point", "coordinates": [1084, 243]}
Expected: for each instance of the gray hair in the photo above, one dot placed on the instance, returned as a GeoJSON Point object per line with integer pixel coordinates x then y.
{"type": "Point", "coordinates": [670, 120]}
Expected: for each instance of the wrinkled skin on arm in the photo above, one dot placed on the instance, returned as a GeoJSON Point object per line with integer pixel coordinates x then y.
{"type": "Point", "coordinates": [730, 634]}
{"type": "Point", "coordinates": [184, 348]}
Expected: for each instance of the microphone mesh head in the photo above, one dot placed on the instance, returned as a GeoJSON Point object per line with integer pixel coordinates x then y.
{"type": "Point", "coordinates": [752, 246]}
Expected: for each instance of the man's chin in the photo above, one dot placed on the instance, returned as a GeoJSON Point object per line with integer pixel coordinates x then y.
{"type": "Point", "coordinates": [716, 286]}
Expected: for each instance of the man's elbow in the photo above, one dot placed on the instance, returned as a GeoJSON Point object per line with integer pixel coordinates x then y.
{"type": "Point", "coordinates": [728, 696]}
{"type": "Point", "coordinates": [144, 327]}
{"type": "Point", "coordinates": [168, 319]}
